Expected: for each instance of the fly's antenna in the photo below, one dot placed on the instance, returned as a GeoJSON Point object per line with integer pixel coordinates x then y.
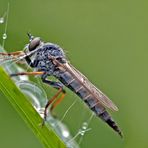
{"type": "Point", "coordinates": [31, 37]}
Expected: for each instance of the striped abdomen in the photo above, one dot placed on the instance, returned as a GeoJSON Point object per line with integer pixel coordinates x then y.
{"type": "Point", "coordinates": [77, 87]}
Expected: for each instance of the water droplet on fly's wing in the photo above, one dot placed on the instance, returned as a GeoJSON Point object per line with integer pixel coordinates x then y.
{"type": "Point", "coordinates": [1, 20]}
{"type": "Point", "coordinates": [4, 36]}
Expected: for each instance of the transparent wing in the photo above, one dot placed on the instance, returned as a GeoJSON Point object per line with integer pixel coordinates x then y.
{"type": "Point", "coordinates": [102, 98]}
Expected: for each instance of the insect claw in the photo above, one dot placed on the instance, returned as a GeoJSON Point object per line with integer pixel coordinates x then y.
{"type": "Point", "coordinates": [43, 123]}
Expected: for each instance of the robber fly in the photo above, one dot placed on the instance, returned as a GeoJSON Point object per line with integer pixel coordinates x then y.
{"type": "Point", "coordinates": [48, 59]}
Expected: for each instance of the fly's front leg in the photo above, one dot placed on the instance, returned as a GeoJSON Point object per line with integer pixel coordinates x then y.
{"type": "Point", "coordinates": [53, 100]}
{"type": "Point", "coordinates": [20, 53]}
{"type": "Point", "coordinates": [17, 53]}
{"type": "Point", "coordinates": [11, 55]}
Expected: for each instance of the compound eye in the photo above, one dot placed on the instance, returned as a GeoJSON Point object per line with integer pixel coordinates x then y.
{"type": "Point", "coordinates": [34, 43]}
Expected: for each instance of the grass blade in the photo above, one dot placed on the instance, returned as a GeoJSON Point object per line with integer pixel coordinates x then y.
{"type": "Point", "coordinates": [48, 137]}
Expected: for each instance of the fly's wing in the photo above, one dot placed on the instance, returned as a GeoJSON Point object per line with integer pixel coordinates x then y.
{"type": "Point", "coordinates": [102, 98]}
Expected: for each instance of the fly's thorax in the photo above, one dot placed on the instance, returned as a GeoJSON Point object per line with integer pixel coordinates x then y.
{"type": "Point", "coordinates": [44, 64]}
{"type": "Point", "coordinates": [42, 60]}
{"type": "Point", "coordinates": [43, 50]}
{"type": "Point", "coordinates": [53, 50]}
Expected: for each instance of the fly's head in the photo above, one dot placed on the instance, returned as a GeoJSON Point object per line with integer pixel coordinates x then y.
{"type": "Point", "coordinates": [49, 50]}
{"type": "Point", "coordinates": [34, 42]}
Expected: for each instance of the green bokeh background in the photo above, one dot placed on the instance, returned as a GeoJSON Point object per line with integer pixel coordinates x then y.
{"type": "Point", "coordinates": [107, 41]}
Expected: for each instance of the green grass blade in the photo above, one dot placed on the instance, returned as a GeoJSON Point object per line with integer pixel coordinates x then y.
{"type": "Point", "coordinates": [28, 113]}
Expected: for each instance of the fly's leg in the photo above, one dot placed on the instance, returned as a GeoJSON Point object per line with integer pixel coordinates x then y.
{"type": "Point", "coordinates": [58, 101]}
{"type": "Point", "coordinates": [58, 86]}
{"type": "Point", "coordinates": [49, 103]}
{"type": "Point", "coordinates": [11, 56]}
{"type": "Point", "coordinates": [28, 73]}
{"type": "Point", "coordinates": [17, 53]}
{"type": "Point", "coordinates": [20, 53]}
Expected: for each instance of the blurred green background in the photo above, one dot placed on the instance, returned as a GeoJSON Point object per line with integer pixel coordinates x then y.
{"type": "Point", "coordinates": [107, 41]}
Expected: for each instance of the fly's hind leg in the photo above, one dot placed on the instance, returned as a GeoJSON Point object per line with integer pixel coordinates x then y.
{"type": "Point", "coordinates": [59, 87]}
{"type": "Point", "coordinates": [58, 101]}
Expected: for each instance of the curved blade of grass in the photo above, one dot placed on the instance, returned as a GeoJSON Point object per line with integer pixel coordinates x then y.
{"type": "Point", "coordinates": [28, 113]}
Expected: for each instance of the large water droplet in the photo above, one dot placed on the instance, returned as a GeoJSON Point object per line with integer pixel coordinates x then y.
{"type": "Point", "coordinates": [1, 20]}
{"type": "Point", "coordinates": [4, 36]}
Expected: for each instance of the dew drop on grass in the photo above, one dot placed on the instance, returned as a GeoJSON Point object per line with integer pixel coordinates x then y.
{"type": "Point", "coordinates": [1, 20]}
{"type": "Point", "coordinates": [4, 36]}
{"type": "Point", "coordinates": [85, 125]}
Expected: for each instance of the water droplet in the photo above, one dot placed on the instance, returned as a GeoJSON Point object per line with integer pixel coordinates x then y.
{"type": "Point", "coordinates": [4, 36]}
{"type": "Point", "coordinates": [40, 111]}
{"type": "Point", "coordinates": [84, 125]}
{"type": "Point", "coordinates": [81, 132]}
{"type": "Point", "coordinates": [1, 20]}
{"type": "Point", "coordinates": [65, 133]}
